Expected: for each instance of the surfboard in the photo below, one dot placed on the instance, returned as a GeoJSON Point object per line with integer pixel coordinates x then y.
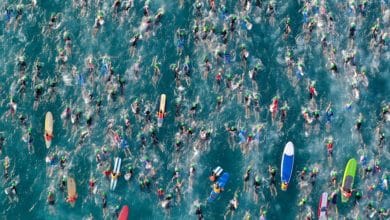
{"type": "Point", "coordinates": [348, 178]}
{"type": "Point", "coordinates": [48, 129]}
{"type": "Point", "coordinates": [222, 181]}
{"type": "Point", "coordinates": [218, 171]}
{"type": "Point", "coordinates": [323, 207]}
{"type": "Point", "coordinates": [287, 165]}
{"type": "Point", "coordinates": [161, 111]}
{"type": "Point", "coordinates": [124, 214]}
{"type": "Point", "coordinates": [72, 193]}
{"type": "Point", "coordinates": [115, 173]}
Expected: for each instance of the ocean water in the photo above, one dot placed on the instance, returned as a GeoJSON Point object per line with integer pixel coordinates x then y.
{"type": "Point", "coordinates": [33, 38]}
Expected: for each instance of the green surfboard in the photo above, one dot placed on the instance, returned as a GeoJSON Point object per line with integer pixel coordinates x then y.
{"type": "Point", "coordinates": [348, 178]}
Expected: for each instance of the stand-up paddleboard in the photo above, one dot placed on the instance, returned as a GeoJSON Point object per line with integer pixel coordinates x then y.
{"type": "Point", "coordinates": [287, 165]}
{"type": "Point", "coordinates": [48, 129]}
{"type": "Point", "coordinates": [221, 183]}
{"type": "Point", "coordinates": [115, 173]}
{"type": "Point", "coordinates": [161, 111]}
{"type": "Point", "coordinates": [72, 193]}
{"type": "Point", "coordinates": [323, 207]}
{"type": "Point", "coordinates": [124, 214]}
{"type": "Point", "coordinates": [348, 179]}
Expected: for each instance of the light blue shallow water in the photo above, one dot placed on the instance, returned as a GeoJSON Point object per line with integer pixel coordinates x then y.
{"type": "Point", "coordinates": [32, 38]}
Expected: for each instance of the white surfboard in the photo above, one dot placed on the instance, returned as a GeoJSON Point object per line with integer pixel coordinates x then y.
{"type": "Point", "coordinates": [115, 173]}
{"type": "Point", "coordinates": [48, 135]}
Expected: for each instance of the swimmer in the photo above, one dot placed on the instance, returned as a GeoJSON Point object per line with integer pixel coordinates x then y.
{"type": "Point", "coordinates": [247, 177]}
{"type": "Point", "coordinates": [272, 182]}
{"type": "Point", "coordinates": [256, 185]}
{"type": "Point", "coordinates": [50, 198]}
{"type": "Point", "coordinates": [232, 207]}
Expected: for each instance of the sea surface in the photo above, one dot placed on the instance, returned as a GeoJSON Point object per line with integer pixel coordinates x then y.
{"type": "Point", "coordinates": [33, 38]}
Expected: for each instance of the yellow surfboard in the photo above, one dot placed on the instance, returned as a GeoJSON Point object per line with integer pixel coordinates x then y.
{"type": "Point", "coordinates": [161, 111]}
{"type": "Point", "coordinates": [48, 129]}
{"type": "Point", "coordinates": [162, 102]}
{"type": "Point", "coordinates": [72, 193]}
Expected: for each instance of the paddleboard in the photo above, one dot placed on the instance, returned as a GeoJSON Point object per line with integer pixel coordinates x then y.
{"type": "Point", "coordinates": [222, 181]}
{"type": "Point", "coordinates": [48, 129]}
{"type": "Point", "coordinates": [161, 111]}
{"type": "Point", "coordinates": [323, 207]}
{"type": "Point", "coordinates": [72, 193]}
{"type": "Point", "coordinates": [287, 165]}
{"type": "Point", "coordinates": [348, 178]}
{"type": "Point", "coordinates": [124, 214]}
{"type": "Point", "coordinates": [115, 173]}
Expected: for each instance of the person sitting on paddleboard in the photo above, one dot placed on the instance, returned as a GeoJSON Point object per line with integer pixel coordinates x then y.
{"type": "Point", "coordinates": [216, 188]}
{"type": "Point", "coordinates": [284, 185]}
{"type": "Point", "coordinates": [48, 136]}
{"type": "Point", "coordinates": [114, 175]}
{"type": "Point", "coordinates": [346, 193]}
{"type": "Point", "coordinates": [72, 199]}
{"type": "Point", "coordinates": [160, 114]}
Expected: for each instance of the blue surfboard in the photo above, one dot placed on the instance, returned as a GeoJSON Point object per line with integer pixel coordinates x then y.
{"type": "Point", "coordinates": [287, 165]}
{"type": "Point", "coordinates": [222, 181]}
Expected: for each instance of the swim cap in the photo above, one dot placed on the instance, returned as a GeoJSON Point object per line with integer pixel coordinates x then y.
{"type": "Point", "coordinates": [257, 178]}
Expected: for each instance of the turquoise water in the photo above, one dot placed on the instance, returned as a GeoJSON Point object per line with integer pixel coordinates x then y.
{"type": "Point", "coordinates": [32, 38]}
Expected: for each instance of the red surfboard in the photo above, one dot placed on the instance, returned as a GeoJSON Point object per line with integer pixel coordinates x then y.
{"type": "Point", "coordinates": [124, 214]}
